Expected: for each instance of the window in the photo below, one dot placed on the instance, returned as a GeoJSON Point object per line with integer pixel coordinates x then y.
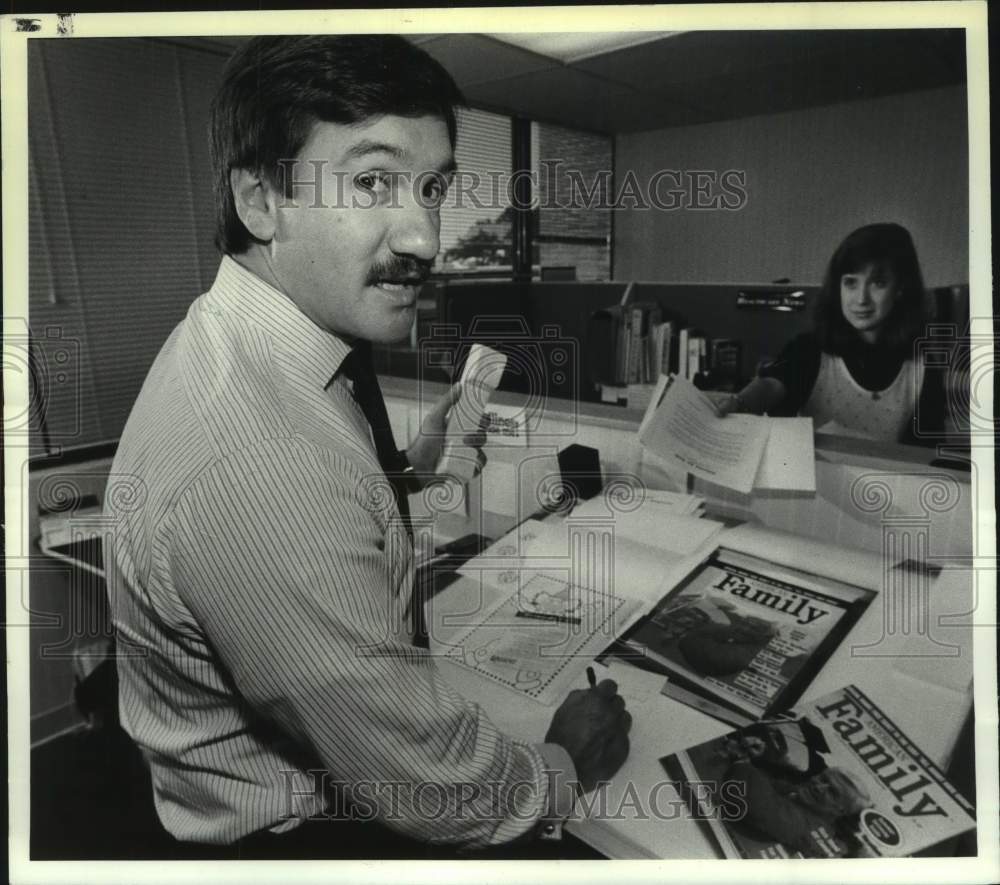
{"type": "Point", "coordinates": [476, 224]}
{"type": "Point", "coordinates": [571, 174]}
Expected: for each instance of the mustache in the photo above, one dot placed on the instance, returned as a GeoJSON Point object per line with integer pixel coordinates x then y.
{"type": "Point", "coordinates": [399, 269]}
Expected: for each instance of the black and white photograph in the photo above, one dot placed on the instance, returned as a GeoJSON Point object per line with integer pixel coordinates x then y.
{"type": "Point", "coordinates": [373, 379]}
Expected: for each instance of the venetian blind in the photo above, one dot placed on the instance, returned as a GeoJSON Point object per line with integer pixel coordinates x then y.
{"type": "Point", "coordinates": [483, 155]}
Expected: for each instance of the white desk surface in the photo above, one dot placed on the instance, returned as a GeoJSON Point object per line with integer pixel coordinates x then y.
{"type": "Point", "coordinates": [925, 688]}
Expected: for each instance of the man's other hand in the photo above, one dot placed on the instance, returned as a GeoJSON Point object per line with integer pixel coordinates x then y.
{"type": "Point", "coordinates": [592, 725]}
{"type": "Point", "coordinates": [425, 451]}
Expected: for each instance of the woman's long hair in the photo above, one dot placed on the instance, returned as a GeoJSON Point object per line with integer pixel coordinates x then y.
{"type": "Point", "coordinates": [885, 244]}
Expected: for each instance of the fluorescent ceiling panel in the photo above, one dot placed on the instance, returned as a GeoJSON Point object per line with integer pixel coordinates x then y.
{"type": "Point", "coordinates": [574, 47]}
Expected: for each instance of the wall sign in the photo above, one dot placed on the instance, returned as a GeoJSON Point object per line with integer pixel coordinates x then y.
{"type": "Point", "coordinates": [770, 299]}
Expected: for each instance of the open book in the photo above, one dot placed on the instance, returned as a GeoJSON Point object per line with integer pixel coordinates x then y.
{"type": "Point", "coordinates": [835, 778]}
{"type": "Point", "coordinates": [561, 590]}
{"type": "Point", "coordinates": [741, 452]}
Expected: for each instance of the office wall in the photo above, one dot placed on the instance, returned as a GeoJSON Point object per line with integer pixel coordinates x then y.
{"type": "Point", "coordinates": [121, 217]}
{"type": "Point", "coordinates": [812, 176]}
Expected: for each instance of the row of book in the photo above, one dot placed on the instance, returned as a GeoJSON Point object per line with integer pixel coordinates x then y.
{"type": "Point", "coordinates": [634, 344]}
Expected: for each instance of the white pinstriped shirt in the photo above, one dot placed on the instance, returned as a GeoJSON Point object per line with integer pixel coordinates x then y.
{"type": "Point", "coordinates": [260, 580]}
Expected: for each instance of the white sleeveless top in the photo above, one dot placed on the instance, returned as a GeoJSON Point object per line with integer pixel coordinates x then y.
{"type": "Point", "coordinates": [883, 415]}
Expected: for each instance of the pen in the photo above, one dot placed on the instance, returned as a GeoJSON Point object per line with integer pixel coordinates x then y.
{"type": "Point", "coordinates": [591, 678]}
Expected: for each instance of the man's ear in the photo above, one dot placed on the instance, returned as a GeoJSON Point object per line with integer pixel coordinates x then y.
{"type": "Point", "coordinates": [255, 203]}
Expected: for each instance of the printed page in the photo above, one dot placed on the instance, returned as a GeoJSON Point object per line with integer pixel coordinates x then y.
{"type": "Point", "coordinates": [686, 431]}
{"type": "Point", "coordinates": [662, 383]}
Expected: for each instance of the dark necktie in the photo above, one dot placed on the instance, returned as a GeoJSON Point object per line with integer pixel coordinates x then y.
{"type": "Point", "coordinates": [359, 368]}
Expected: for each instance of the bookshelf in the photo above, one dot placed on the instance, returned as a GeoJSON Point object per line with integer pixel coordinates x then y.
{"type": "Point", "coordinates": [559, 351]}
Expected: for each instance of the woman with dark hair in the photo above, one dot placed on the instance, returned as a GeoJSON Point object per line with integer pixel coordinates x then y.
{"type": "Point", "coordinates": [859, 372]}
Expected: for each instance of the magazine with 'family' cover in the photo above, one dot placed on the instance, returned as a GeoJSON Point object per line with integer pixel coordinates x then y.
{"type": "Point", "coordinates": [743, 637]}
{"type": "Point", "coordinates": [837, 778]}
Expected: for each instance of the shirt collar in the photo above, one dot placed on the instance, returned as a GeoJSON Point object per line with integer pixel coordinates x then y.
{"type": "Point", "coordinates": [318, 354]}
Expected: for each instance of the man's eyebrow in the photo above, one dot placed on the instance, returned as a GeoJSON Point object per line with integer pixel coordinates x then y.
{"type": "Point", "coordinates": [367, 146]}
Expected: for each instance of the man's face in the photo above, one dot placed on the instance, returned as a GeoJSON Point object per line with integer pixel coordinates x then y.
{"type": "Point", "coordinates": [352, 251]}
{"type": "Point", "coordinates": [830, 792]}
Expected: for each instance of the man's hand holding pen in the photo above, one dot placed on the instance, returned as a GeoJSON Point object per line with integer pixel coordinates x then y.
{"type": "Point", "coordinates": [592, 725]}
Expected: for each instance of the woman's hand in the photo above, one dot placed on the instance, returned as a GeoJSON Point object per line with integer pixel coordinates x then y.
{"type": "Point", "coordinates": [725, 402]}
{"type": "Point", "coordinates": [759, 397]}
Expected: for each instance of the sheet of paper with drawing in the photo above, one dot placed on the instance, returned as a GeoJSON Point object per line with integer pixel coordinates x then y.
{"type": "Point", "coordinates": [480, 378]}
{"type": "Point", "coordinates": [566, 588]}
{"type": "Point", "coordinates": [540, 634]}
{"type": "Point", "coordinates": [685, 430]}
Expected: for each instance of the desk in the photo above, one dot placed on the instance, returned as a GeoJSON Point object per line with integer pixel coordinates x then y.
{"type": "Point", "coordinates": [922, 680]}
{"type": "Point", "coordinates": [864, 488]}
{"type": "Point", "coordinates": [928, 696]}
{"type": "Point", "coordinates": [886, 500]}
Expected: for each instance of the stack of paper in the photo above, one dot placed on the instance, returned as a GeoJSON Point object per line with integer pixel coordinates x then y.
{"type": "Point", "coordinates": [741, 452]}
{"type": "Point", "coordinates": [678, 503]}
{"type": "Point", "coordinates": [637, 554]}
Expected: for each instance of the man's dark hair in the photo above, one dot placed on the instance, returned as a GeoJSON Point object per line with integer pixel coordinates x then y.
{"type": "Point", "coordinates": [886, 245]}
{"type": "Point", "coordinates": [275, 89]}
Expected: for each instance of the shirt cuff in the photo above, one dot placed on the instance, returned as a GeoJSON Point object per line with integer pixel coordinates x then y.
{"type": "Point", "coordinates": [562, 778]}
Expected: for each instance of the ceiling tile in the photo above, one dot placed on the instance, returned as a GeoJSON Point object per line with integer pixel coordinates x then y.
{"type": "Point", "coordinates": [473, 58]}
{"type": "Point", "coordinates": [558, 95]}
{"type": "Point", "coordinates": [574, 46]}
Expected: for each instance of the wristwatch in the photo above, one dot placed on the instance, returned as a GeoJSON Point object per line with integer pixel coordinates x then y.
{"type": "Point", "coordinates": [550, 830]}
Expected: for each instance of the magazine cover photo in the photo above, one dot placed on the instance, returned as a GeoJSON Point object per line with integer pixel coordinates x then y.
{"type": "Point", "coordinates": [835, 779]}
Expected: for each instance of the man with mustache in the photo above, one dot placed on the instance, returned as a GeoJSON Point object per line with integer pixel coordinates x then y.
{"type": "Point", "coordinates": [261, 576]}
